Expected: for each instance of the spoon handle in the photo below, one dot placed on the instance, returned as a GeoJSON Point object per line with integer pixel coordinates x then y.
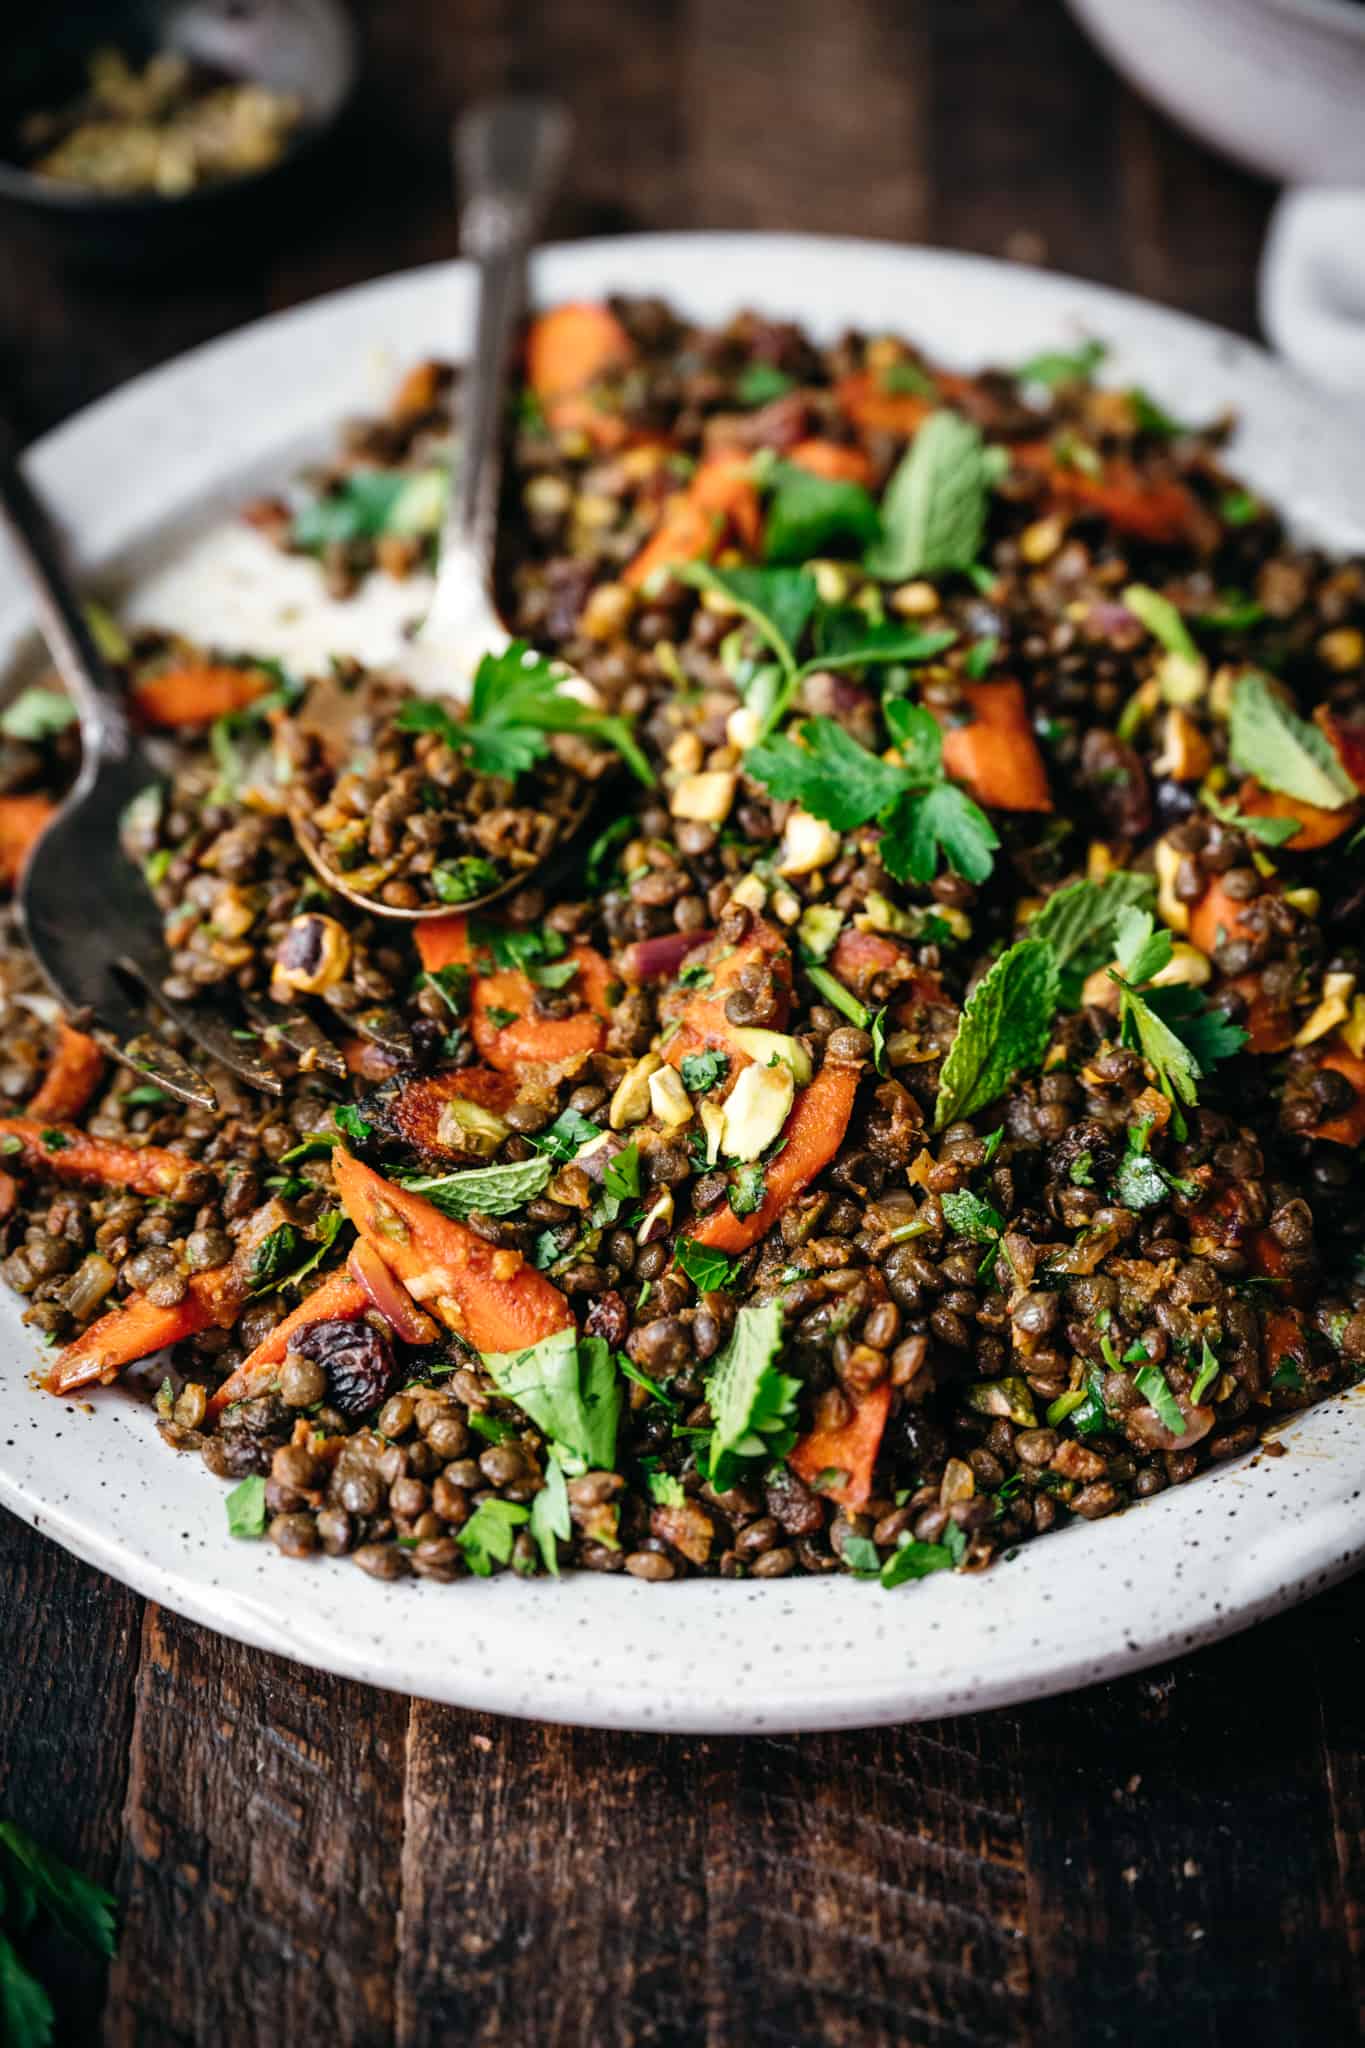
{"type": "Point", "coordinates": [509, 155]}
{"type": "Point", "coordinates": [97, 696]}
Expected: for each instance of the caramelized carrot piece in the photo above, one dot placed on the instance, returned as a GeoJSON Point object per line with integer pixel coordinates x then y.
{"type": "Point", "coordinates": [995, 753]}
{"type": "Point", "coordinates": [338, 1299]}
{"type": "Point", "coordinates": [1284, 1338]}
{"type": "Point", "coordinates": [1216, 912]}
{"type": "Point", "coordinates": [146, 1169]}
{"type": "Point", "coordinates": [851, 1449]}
{"type": "Point", "coordinates": [367, 1060]}
{"type": "Point", "coordinates": [872, 407]}
{"type": "Point", "coordinates": [70, 1080]}
{"type": "Point", "coordinates": [1269, 1027]}
{"type": "Point", "coordinates": [721, 497]}
{"type": "Point", "coordinates": [197, 693]}
{"type": "Point", "coordinates": [9, 1195]}
{"type": "Point", "coordinates": [1317, 827]}
{"type": "Point", "coordinates": [1349, 1127]}
{"type": "Point", "coordinates": [418, 391]}
{"type": "Point", "coordinates": [832, 460]}
{"type": "Point", "coordinates": [137, 1328]}
{"type": "Point", "coordinates": [699, 1013]}
{"type": "Point", "coordinates": [503, 1022]}
{"type": "Point", "coordinates": [22, 818]}
{"type": "Point", "coordinates": [571, 347]}
{"type": "Point", "coordinates": [418, 1105]}
{"type": "Point", "coordinates": [487, 1294]}
{"type": "Point", "coordinates": [811, 1136]}
{"type": "Point", "coordinates": [1161, 513]}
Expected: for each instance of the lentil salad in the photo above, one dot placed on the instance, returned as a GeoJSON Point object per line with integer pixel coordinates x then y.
{"type": "Point", "coordinates": [1029, 1255]}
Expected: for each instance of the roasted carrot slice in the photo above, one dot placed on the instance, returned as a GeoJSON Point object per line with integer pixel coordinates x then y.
{"type": "Point", "coordinates": [488, 1294]}
{"type": "Point", "coordinates": [137, 1328]}
{"type": "Point", "coordinates": [503, 1020]}
{"type": "Point", "coordinates": [1317, 827]}
{"type": "Point", "coordinates": [9, 1195]}
{"type": "Point", "coordinates": [872, 407]}
{"type": "Point", "coordinates": [994, 752]}
{"type": "Point", "coordinates": [70, 1080]}
{"type": "Point", "coordinates": [338, 1299]}
{"type": "Point", "coordinates": [197, 693]}
{"type": "Point", "coordinates": [22, 818]}
{"type": "Point", "coordinates": [1349, 1127]}
{"type": "Point", "coordinates": [418, 391]}
{"type": "Point", "coordinates": [720, 498]}
{"type": "Point", "coordinates": [697, 1014]}
{"type": "Point", "coordinates": [72, 1154]}
{"type": "Point", "coordinates": [811, 1136]}
{"type": "Point", "coordinates": [1284, 1338]}
{"type": "Point", "coordinates": [1217, 917]}
{"type": "Point", "coordinates": [833, 460]}
{"type": "Point", "coordinates": [571, 347]}
{"type": "Point", "coordinates": [1160, 512]}
{"type": "Point", "coordinates": [851, 1450]}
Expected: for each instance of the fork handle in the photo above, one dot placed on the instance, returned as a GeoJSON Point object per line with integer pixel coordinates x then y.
{"type": "Point", "coordinates": [509, 155]}
{"type": "Point", "coordinates": [105, 731]}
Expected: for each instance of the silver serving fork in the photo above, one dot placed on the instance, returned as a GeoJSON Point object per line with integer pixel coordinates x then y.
{"type": "Point", "coordinates": [85, 908]}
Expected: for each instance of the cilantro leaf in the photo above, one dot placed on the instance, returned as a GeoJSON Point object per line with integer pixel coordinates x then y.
{"type": "Point", "coordinates": [487, 1537]}
{"type": "Point", "coordinates": [368, 503]}
{"type": "Point", "coordinates": [26, 2015]}
{"type": "Point", "coordinates": [82, 1911]}
{"type": "Point", "coordinates": [621, 1175]}
{"type": "Point", "coordinates": [934, 511]}
{"type": "Point", "coordinates": [942, 821]}
{"type": "Point", "coordinates": [568, 1134]}
{"type": "Point", "coordinates": [665, 1491]}
{"type": "Point", "coordinates": [1172, 1027]}
{"type": "Point", "coordinates": [831, 775]}
{"type": "Point", "coordinates": [748, 1189]}
{"type": "Point", "coordinates": [550, 1522]}
{"type": "Point", "coordinates": [915, 1560]}
{"type": "Point", "coordinates": [347, 1118]}
{"type": "Point", "coordinates": [484, 1190]}
{"type": "Point", "coordinates": [517, 700]}
{"type": "Point", "coordinates": [1003, 1031]}
{"type": "Point", "coordinates": [778, 603]}
{"type": "Point", "coordinates": [971, 1217]}
{"type": "Point", "coordinates": [708, 1270]}
{"type": "Point", "coordinates": [1283, 751]}
{"type": "Point", "coordinates": [703, 1071]}
{"type": "Point", "coordinates": [1269, 831]}
{"type": "Point", "coordinates": [846, 638]}
{"type": "Point", "coordinates": [809, 515]}
{"type": "Point", "coordinates": [246, 1507]}
{"type": "Point", "coordinates": [1139, 1182]}
{"type": "Point", "coordinates": [753, 1405]}
{"type": "Point", "coordinates": [601, 856]}
{"type": "Point", "coordinates": [570, 1390]}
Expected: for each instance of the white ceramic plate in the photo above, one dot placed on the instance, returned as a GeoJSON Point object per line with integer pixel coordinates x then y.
{"type": "Point", "coordinates": [136, 477]}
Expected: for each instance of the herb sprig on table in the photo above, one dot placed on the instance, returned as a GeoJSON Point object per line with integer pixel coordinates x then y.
{"type": "Point", "coordinates": [37, 1887]}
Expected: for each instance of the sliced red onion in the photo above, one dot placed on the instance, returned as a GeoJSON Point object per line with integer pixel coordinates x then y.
{"type": "Point", "coordinates": [659, 959]}
{"type": "Point", "coordinates": [393, 1301]}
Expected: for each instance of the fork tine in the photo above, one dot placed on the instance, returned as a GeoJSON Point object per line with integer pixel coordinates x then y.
{"type": "Point", "coordinates": [209, 1031]}
{"type": "Point", "coordinates": [297, 1030]}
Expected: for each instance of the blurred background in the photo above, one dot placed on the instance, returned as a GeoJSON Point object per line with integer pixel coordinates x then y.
{"type": "Point", "coordinates": [995, 126]}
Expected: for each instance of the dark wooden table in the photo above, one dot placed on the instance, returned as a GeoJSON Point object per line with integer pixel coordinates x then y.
{"type": "Point", "coordinates": [1177, 1857]}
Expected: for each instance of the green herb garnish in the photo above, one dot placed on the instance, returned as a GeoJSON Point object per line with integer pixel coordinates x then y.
{"type": "Point", "coordinates": [1003, 1030]}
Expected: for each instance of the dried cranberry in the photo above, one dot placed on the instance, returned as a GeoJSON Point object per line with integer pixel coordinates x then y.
{"type": "Point", "coordinates": [608, 1317]}
{"type": "Point", "coordinates": [357, 1359]}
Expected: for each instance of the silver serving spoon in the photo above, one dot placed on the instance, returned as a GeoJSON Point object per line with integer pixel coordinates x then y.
{"type": "Point", "coordinates": [509, 156]}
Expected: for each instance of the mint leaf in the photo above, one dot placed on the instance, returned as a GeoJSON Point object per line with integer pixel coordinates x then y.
{"type": "Point", "coordinates": [569, 1389]}
{"type": "Point", "coordinates": [1003, 1031]}
{"type": "Point", "coordinates": [934, 511]}
{"type": "Point", "coordinates": [1283, 751]}
{"type": "Point", "coordinates": [811, 515]}
{"type": "Point", "coordinates": [1079, 923]}
{"type": "Point", "coordinates": [246, 1507]}
{"type": "Point", "coordinates": [753, 1405]}
{"type": "Point", "coordinates": [487, 1537]}
{"type": "Point", "coordinates": [708, 1270]}
{"type": "Point", "coordinates": [483, 1190]}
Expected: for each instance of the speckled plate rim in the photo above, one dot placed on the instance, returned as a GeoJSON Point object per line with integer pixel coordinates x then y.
{"type": "Point", "coordinates": [136, 473]}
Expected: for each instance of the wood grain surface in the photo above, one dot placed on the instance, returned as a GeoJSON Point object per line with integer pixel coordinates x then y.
{"type": "Point", "coordinates": [1174, 1858]}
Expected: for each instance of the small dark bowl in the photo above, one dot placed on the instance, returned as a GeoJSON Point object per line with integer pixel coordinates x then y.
{"type": "Point", "coordinates": [303, 47]}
